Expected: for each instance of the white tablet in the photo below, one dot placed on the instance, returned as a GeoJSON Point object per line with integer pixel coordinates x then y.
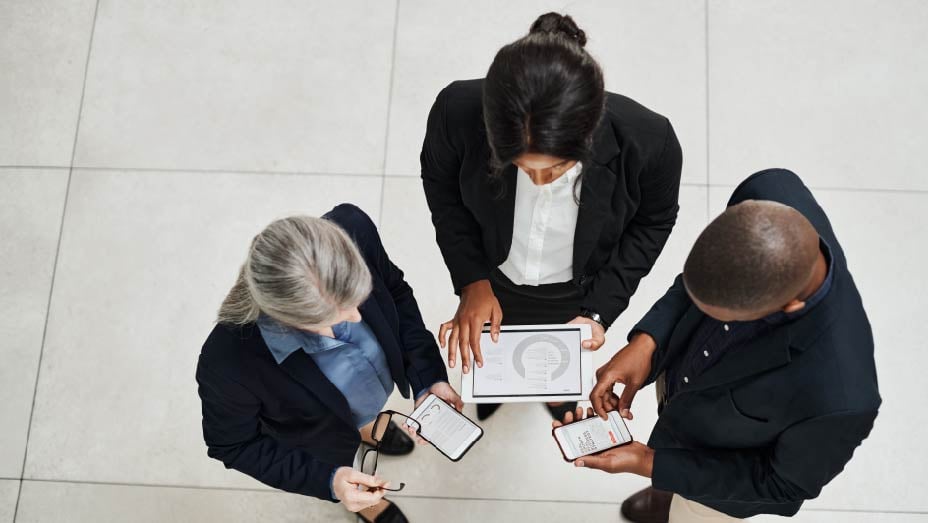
{"type": "Point", "coordinates": [531, 363]}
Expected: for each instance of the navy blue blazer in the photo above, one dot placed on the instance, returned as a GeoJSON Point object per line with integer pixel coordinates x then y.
{"type": "Point", "coordinates": [773, 422]}
{"type": "Point", "coordinates": [287, 425]}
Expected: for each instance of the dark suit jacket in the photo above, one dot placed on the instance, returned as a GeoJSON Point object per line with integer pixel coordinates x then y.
{"type": "Point", "coordinates": [628, 196]}
{"type": "Point", "coordinates": [774, 421]}
{"type": "Point", "coordinates": [287, 425]}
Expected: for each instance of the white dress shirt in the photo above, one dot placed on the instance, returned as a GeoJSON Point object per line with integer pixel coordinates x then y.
{"type": "Point", "coordinates": [543, 229]}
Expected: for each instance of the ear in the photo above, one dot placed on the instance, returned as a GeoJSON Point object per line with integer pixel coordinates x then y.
{"type": "Point", "coordinates": [793, 306]}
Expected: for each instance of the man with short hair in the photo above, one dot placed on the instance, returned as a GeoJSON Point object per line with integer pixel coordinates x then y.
{"type": "Point", "coordinates": [763, 361]}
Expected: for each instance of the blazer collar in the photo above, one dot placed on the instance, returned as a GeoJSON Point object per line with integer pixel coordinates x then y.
{"type": "Point", "coordinates": [605, 143]}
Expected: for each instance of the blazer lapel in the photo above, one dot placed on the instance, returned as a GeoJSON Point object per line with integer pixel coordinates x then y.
{"type": "Point", "coordinates": [374, 318]}
{"type": "Point", "coordinates": [597, 185]}
{"type": "Point", "coordinates": [301, 367]}
{"type": "Point", "coordinates": [596, 190]}
{"type": "Point", "coordinates": [758, 355]}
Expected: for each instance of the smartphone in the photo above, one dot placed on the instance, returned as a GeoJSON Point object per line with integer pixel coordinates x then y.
{"type": "Point", "coordinates": [449, 431]}
{"type": "Point", "coordinates": [591, 436]}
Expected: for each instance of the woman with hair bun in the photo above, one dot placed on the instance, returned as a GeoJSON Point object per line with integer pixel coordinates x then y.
{"type": "Point", "coordinates": [551, 197]}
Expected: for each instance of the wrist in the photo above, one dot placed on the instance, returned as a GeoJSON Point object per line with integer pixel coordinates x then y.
{"type": "Point", "coordinates": [476, 286]}
{"type": "Point", "coordinates": [642, 341]}
{"type": "Point", "coordinates": [647, 463]}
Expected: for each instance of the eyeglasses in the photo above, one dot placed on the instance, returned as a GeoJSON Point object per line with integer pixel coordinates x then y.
{"type": "Point", "coordinates": [381, 424]}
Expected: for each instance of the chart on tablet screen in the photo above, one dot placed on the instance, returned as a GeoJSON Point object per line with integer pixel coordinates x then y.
{"type": "Point", "coordinates": [529, 364]}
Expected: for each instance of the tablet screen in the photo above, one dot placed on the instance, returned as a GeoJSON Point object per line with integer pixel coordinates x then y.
{"type": "Point", "coordinates": [529, 363]}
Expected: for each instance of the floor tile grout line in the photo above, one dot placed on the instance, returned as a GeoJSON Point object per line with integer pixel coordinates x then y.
{"type": "Point", "coordinates": [708, 147]}
{"type": "Point", "coordinates": [51, 286]}
{"type": "Point", "coordinates": [409, 496]}
{"type": "Point", "coordinates": [222, 171]}
{"type": "Point", "coordinates": [386, 133]}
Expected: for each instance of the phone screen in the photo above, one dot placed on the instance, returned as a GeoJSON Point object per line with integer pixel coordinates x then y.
{"type": "Point", "coordinates": [446, 428]}
{"type": "Point", "coordinates": [592, 435]}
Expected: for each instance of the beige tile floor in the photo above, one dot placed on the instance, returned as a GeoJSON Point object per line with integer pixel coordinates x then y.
{"type": "Point", "coordinates": [143, 143]}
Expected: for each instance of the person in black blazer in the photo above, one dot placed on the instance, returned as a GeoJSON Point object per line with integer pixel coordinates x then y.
{"type": "Point", "coordinates": [551, 198]}
{"type": "Point", "coordinates": [294, 419]}
{"type": "Point", "coordinates": [762, 355]}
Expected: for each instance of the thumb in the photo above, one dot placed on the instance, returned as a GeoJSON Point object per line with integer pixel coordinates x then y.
{"type": "Point", "coordinates": [625, 400]}
{"type": "Point", "coordinates": [592, 462]}
{"type": "Point", "coordinates": [360, 478]}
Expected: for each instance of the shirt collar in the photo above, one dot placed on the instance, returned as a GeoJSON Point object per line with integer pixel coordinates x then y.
{"type": "Point", "coordinates": [816, 297]}
{"type": "Point", "coordinates": [282, 341]}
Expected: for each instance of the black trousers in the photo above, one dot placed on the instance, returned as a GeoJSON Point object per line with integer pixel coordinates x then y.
{"type": "Point", "coordinates": [526, 304]}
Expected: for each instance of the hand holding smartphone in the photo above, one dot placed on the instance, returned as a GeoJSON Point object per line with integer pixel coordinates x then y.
{"type": "Point", "coordinates": [592, 435]}
{"type": "Point", "coordinates": [449, 431]}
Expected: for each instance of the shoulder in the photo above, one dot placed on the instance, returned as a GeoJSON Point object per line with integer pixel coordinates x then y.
{"type": "Point", "coordinates": [359, 226]}
{"type": "Point", "coordinates": [460, 107]}
{"type": "Point", "coordinates": [631, 118]}
{"type": "Point", "coordinates": [229, 351]}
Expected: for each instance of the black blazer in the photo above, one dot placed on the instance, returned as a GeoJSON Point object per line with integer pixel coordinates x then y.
{"type": "Point", "coordinates": [773, 422]}
{"type": "Point", "coordinates": [287, 425]}
{"type": "Point", "coordinates": [628, 200]}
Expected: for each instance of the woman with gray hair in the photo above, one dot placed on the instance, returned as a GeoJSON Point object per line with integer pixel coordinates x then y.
{"type": "Point", "coordinates": [308, 346]}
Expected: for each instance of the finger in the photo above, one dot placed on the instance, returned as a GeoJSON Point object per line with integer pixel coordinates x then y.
{"type": "Point", "coordinates": [625, 400]}
{"type": "Point", "coordinates": [578, 413]}
{"type": "Point", "coordinates": [496, 319]}
{"type": "Point", "coordinates": [597, 397]}
{"type": "Point", "coordinates": [589, 412]}
{"type": "Point", "coordinates": [555, 424]}
{"type": "Point", "coordinates": [587, 344]}
{"type": "Point", "coordinates": [568, 417]}
{"type": "Point", "coordinates": [464, 343]}
{"type": "Point", "coordinates": [592, 462]}
{"type": "Point", "coordinates": [367, 498]}
{"type": "Point", "coordinates": [453, 345]}
{"type": "Point", "coordinates": [442, 332]}
{"type": "Point", "coordinates": [360, 478]}
{"type": "Point", "coordinates": [476, 330]}
{"type": "Point", "coordinates": [458, 403]}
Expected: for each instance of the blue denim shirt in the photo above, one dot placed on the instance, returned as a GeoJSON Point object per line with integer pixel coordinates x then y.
{"type": "Point", "coordinates": [353, 361]}
{"type": "Point", "coordinates": [712, 338]}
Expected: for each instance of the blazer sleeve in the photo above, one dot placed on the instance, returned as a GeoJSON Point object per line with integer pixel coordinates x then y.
{"type": "Point", "coordinates": [661, 321]}
{"type": "Point", "coordinates": [232, 432]}
{"type": "Point", "coordinates": [422, 359]}
{"type": "Point", "coordinates": [424, 364]}
{"type": "Point", "coordinates": [456, 230]}
{"type": "Point", "coordinates": [644, 237]}
{"type": "Point", "coordinates": [804, 459]}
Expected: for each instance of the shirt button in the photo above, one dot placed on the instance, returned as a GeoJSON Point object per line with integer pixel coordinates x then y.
{"type": "Point", "coordinates": [725, 327]}
{"type": "Point", "coordinates": [685, 379]}
{"type": "Point", "coordinates": [705, 353]}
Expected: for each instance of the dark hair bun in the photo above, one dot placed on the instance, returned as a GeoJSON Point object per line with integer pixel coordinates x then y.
{"type": "Point", "coordinates": [556, 23]}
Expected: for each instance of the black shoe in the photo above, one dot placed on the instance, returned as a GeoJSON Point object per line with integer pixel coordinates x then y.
{"type": "Point", "coordinates": [558, 412]}
{"type": "Point", "coordinates": [396, 442]}
{"type": "Point", "coordinates": [391, 514]}
{"type": "Point", "coordinates": [648, 506]}
{"type": "Point", "coordinates": [485, 410]}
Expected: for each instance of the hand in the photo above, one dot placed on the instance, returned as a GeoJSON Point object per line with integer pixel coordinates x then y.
{"type": "Point", "coordinates": [631, 367]}
{"type": "Point", "coordinates": [633, 457]}
{"type": "Point", "coordinates": [599, 333]}
{"type": "Point", "coordinates": [444, 391]}
{"type": "Point", "coordinates": [478, 305]}
{"type": "Point", "coordinates": [356, 490]}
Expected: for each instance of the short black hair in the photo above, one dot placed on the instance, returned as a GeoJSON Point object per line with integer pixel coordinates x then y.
{"type": "Point", "coordinates": [755, 256]}
{"type": "Point", "coordinates": [543, 94]}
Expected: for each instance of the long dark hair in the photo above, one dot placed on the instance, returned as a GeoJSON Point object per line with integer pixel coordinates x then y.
{"type": "Point", "coordinates": [543, 94]}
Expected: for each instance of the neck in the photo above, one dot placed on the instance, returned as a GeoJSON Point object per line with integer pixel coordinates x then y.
{"type": "Point", "coordinates": [819, 273]}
